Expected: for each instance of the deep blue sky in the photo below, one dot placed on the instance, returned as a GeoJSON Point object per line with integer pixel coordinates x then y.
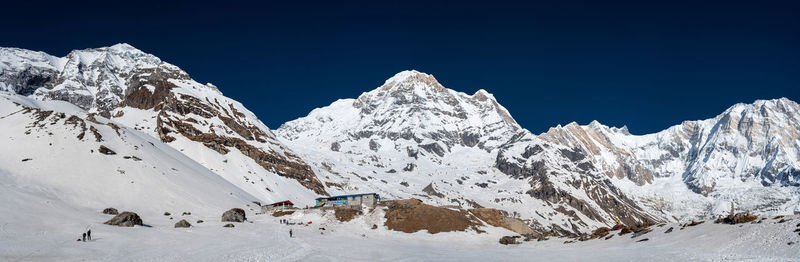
{"type": "Point", "coordinates": [644, 64]}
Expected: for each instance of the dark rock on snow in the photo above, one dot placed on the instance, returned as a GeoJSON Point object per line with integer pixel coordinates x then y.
{"type": "Point", "coordinates": [125, 219]}
{"type": "Point", "coordinates": [234, 215]}
{"type": "Point", "coordinates": [106, 151]}
{"type": "Point", "coordinates": [509, 240]}
{"type": "Point", "coordinates": [110, 211]}
{"type": "Point", "coordinates": [182, 223]}
{"type": "Point", "coordinates": [228, 225]}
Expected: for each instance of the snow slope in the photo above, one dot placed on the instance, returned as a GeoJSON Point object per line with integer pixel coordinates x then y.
{"type": "Point", "coordinates": [159, 99]}
{"type": "Point", "coordinates": [52, 159]}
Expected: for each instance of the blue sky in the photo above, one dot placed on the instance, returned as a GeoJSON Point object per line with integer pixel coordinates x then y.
{"type": "Point", "coordinates": [644, 64]}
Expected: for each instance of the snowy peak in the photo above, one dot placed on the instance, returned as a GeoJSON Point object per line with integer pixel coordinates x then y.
{"type": "Point", "coordinates": [412, 106]}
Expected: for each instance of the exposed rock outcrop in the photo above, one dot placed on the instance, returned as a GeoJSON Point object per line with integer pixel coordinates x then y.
{"type": "Point", "coordinates": [234, 215]}
{"type": "Point", "coordinates": [125, 219]}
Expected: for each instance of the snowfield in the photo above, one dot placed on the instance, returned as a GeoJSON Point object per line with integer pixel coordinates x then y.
{"type": "Point", "coordinates": [42, 228]}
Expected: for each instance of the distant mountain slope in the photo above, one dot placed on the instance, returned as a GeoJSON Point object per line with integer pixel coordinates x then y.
{"type": "Point", "coordinates": [749, 154]}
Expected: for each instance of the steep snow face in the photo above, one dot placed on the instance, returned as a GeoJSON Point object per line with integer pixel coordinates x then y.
{"type": "Point", "coordinates": [748, 155]}
{"type": "Point", "coordinates": [141, 91]}
{"type": "Point", "coordinates": [412, 137]}
{"type": "Point", "coordinates": [54, 150]}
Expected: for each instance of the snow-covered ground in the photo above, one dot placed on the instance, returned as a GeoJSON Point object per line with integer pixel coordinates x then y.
{"type": "Point", "coordinates": [39, 226]}
{"type": "Point", "coordinates": [50, 233]}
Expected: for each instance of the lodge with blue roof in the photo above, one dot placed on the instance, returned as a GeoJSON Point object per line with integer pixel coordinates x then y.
{"type": "Point", "coordinates": [349, 201]}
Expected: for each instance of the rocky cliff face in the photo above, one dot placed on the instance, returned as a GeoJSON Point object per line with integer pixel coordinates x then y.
{"type": "Point", "coordinates": [138, 89]}
{"type": "Point", "coordinates": [748, 155]}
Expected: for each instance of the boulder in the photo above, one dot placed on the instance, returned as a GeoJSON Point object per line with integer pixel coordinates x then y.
{"type": "Point", "coordinates": [125, 219]}
{"type": "Point", "coordinates": [600, 232]}
{"type": "Point", "coordinates": [106, 151]}
{"type": "Point", "coordinates": [183, 223]}
{"type": "Point", "coordinates": [509, 240]}
{"type": "Point", "coordinates": [228, 225]}
{"type": "Point", "coordinates": [234, 215]}
{"type": "Point", "coordinates": [737, 218]}
{"type": "Point", "coordinates": [110, 211]}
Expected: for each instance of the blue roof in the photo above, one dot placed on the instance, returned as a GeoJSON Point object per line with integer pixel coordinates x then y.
{"type": "Point", "coordinates": [355, 195]}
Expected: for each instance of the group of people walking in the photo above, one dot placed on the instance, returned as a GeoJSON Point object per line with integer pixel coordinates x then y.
{"type": "Point", "coordinates": [87, 234]}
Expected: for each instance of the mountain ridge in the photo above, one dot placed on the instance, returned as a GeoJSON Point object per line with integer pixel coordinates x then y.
{"type": "Point", "coordinates": [414, 138]}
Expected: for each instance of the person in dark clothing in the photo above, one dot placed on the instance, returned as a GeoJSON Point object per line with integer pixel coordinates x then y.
{"type": "Point", "coordinates": [89, 234]}
{"type": "Point", "coordinates": [290, 233]}
{"type": "Point", "coordinates": [84, 236]}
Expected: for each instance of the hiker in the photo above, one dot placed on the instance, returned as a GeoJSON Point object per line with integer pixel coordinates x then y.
{"type": "Point", "coordinates": [290, 233]}
{"type": "Point", "coordinates": [89, 234]}
{"type": "Point", "coordinates": [84, 236]}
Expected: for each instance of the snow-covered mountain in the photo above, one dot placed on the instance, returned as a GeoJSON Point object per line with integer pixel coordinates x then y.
{"type": "Point", "coordinates": [748, 155]}
{"type": "Point", "coordinates": [410, 137]}
{"type": "Point", "coordinates": [140, 91]}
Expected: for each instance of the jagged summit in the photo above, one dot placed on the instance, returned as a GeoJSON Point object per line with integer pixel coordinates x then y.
{"type": "Point", "coordinates": [410, 104]}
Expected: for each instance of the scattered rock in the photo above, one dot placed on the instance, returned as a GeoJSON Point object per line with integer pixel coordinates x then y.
{"type": "Point", "coordinates": [167, 213]}
{"type": "Point", "coordinates": [282, 213]}
{"type": "Point", "coordinates": [186, 214]}
{"type": "Point", "coordinates": [624, 229]}
{"type": "Point", "coordinates": [609, 237]}
{"type": "Point", "coordinates": [509, 240]}
{"type": "Point", "coordinates": [411, 215]}
{"type": "Point", "coordinates": [737, 218]}
{"type": "Point", "coordinates": [199, 221]}
{"type": "Point", "coordinates": [431, 191]}
{"type": "Point", "coordinates": [228, 225]}
{"type": "Point", "coordinates": [600, 232]}
{"type": "Point", "coordinates": [234, 215]}
{"type": "Point", "coordinates": [135, 158]}
{"type": "Point", "coordinates": [374, 226]}
{"type": "Point", "coordinates": [182, 223]}
{"type": "Point", "coordinates": [782, 220]}
{"type": "Point", "coordinates": [643, 239]}
{"type": "Point", "coordinates": [641, 232]}
{"type": "Point", "coordinates": [694, 223]}
{"type": "Point", "coordinates": [125, 219]}
{"type": "Point", "coordinates": [346, 214]}
{"type": "Point", "coordinates": [106, 151]}
{"type": "Point", "coordinates": [110, 211]}
{"type": "Point", "coordinates": [668, 230]}
{"type": "Point", "coordinates": [777, 217]}
{"type": "Point", "coordinates": [27, 159]}
{"type": "Point", "coordinates": [500, 218]}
